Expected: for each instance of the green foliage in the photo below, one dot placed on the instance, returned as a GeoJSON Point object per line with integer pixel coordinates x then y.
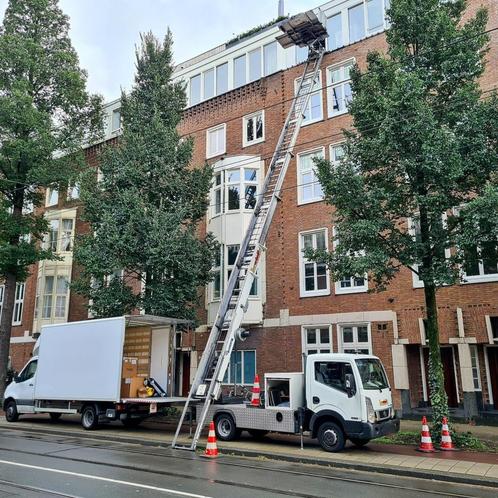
{"type": "Point", "coordinates": [425, 142]}
{"type": "Point", "coordinates": [253, 31]}
{"type": "Point", "coordinates": [145, 212]}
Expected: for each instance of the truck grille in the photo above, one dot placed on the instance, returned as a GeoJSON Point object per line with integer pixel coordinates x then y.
{"type": "Point", "coordinates": [382, 414]}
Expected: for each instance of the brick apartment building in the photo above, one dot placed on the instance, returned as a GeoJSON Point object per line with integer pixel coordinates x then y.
{"type": "Point", "coordinates": [239, 95]}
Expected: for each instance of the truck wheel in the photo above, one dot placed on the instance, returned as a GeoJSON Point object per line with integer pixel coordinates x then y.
{"type": "Point", "coordinates": [89, 418]}
{"type": "Point", "coordinates": [331, 437]}
{"type": "Point", "coordinates": [11, 413]}
{"type": "Point", "coordinates": [359, 442]}
{"type": "Point", "coordinates": [225, 427]}
{"type": "Point", "coordinates": [257, 433]}
{"type": "Point", "coordinates": [55, 416]}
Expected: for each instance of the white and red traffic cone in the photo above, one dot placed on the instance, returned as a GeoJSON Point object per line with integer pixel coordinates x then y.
{"type": "Point", "coordinates": [256, 392]}
{"type": "Point", "coordinates": [446, 442]}
{"type": "Point", "coordinates": [426, 445]}
{"type": "Point", "coordinates": [211, 448]}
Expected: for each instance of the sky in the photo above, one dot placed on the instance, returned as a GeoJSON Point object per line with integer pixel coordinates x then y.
{"type": "Point", "coordinates": [105, 32]}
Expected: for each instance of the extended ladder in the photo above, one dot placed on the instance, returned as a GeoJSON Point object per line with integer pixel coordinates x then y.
{"type": "Point", "coordinates": [215, 359]}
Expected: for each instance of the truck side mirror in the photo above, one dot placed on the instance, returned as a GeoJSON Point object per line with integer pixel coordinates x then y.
{"type": "Point", "coordinates": [16, 377]}
{"type": "Point", "coordinates": [350, 386]}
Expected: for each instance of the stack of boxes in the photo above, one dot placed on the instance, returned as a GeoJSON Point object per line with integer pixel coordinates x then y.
{"type": "Point", "coordinates": [130, 382]}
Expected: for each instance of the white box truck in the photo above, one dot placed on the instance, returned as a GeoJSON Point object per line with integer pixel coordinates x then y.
{"type": "Point", "coordinates": [77, 368]}
{"type": "Point", "coordinates": [337, 397]}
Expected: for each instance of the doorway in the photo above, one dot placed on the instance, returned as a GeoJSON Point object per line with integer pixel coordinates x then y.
{"type": "Point", "coordinates": [493, 373]}
{"type": "Point", "coordinates": [450, 385]}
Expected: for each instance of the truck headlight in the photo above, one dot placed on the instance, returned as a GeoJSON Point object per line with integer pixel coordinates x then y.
{"type": "Point", "coordinates": [370, 410]}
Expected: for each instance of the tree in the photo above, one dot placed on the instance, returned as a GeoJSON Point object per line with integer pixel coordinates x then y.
{"type": "Point", "coordinates": [418, 184]}
{"type": "Point", "coordinates": [144, 250]}
{"type": "Point", "coordinates": [45, 115]}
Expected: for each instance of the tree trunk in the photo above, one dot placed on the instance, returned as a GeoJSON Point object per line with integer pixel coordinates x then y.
{"type": "Point", "coordinates": [438, 397]}
{"type": "Point", "coordinates": [6, 327]}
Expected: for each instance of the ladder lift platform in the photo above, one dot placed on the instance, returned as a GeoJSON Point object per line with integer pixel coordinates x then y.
{"type": "Point", "coordinates": [305, 30]}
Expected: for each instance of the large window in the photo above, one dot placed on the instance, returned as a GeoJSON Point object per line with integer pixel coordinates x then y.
{"type": "Point", "coordinates": [239, 71]}
{"type": "Point", "coordinates": [195, 89]}
{"type": "Point", "coordinates": [356, 23]}
{"type": "Point", "coordinates": [310, 189]}
{"type": "Point", "coordinates": [481, 262]}
{"type": "Point", "coordinates": [222, 78]}
{"type": "Point", "coordinates": [314, 277]}
{"type": "Point", "coordinates": [317, 340]}
{"type": "Point", "coordinates": [375, 16]}
{"type": "Point", "coordinates": [216, 141]}
{"type": "Point", "coordinates": [334, 30]}
{"type": "Point", "coordinates": [60, 235]}
{"type": "Point", "coordinates": [339, 88]}
{"type": "Point", "coordinates": [255, 65]}
{"type": "Point", "coordinates": [55, 293]}
{"type": "Point", "coordinates": [314, 110]}
{"type": "Point", "coordinates": [253, 128]}
{"type": "Point", "coordinates": [18, 302]}
{"type": "Point", "coordinates": [270, 58]}
{"type": "Point", "coordinates": [242, 368]}
{"type": "Point", "coordinates": [354, 339]}
{"type": "Point", "coordinates": [208, 85]}
{"type": "Point", "coordinates": [234, 189]}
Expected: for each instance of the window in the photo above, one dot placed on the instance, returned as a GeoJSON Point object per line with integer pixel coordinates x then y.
{"type": "Point", "coordinates": [61, 297]}
{"type": "Point", "coordinates": [73, 191]}
{"type": "Point", "coordinates": [239, 71]}
{"type": "Point", "coordinates": [67, 235]}
{"type": "Point", "coordinates": [222, 79]}
{"type": "Point", "coordinates": [476, 377]}
{"type": "Point", "coordinates": [314, 277]}
{"type": "Point", "coordinates": [481, 261]}
{"type": "Point", "coordinates": [208, 84]}
{"type": "Point", "coordinates": [216, 141]}
{"type": "Point", "coordinates": [53, 235]}
{"type": "Point", "coordinates": [47, 297]}
{"type": "Point", "coordinates": [217, 281]}
{"type": "Point", "coordinates": [339, 88]}
{"type": "Point", "coordinates": [317, 340]}
{"type": "Point", "coordinates": [494, 327]}
{"type": "Point", "coordinates": [217, 193]}
{"type": "Point", "coordinates": [354, 339]}
{"type": "Point", "coordinates": [336, 154]}
{"type": "Point", "coordinates": [242, 368]}
{"type": "Point", "coordinates": [195, 89]}
{"type": "Point", "coordinates": [270, 58]}
{"type": "Point", "coordinates": [29, 371]}
{"type": "Point", "coordinates": [333, 373]}
{"type": "Point", "coordinates": [18, 304]}
{"type": "Point", "coordinates": [301, 54]}
{"type": "Point", "coordinates": [334, 29]}
{"type": "Point", "coordinates": [255, 65]}
{"type": "Point", "coordinates": [375, 16]}
{"type": "Point", "coordinates": [55, 293]}
{"type": "Point", "coordinates": [116, 120]}
{"type": "Point", "coordinates": [356, 23]}
{"type": "Point", "coordinates": [52, 197]}
{"type": "Point", "coordinates": [372, 374]}
{"type": "Point", "coordinates": [310, 189]}
{"type": "Point", "coordinates": [314, 111]}
{"type": "Point", "coordinates": [253, 128]}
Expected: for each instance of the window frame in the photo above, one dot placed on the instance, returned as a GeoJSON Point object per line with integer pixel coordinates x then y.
{"type": "Point", "coordinates": [302, 260]}
{"type": "Point", "coordinates": [245, 119]}
{"type": "Point", "coordinates": [190, 86]}
{"type": "Point", "coordinates": [229, 381]}
{"type": "Point", "coordinates": [305, 347]}
{"type": "Point", "coordinates": [474, 355]}
{"type": "Point", "coordinates": [341, 21]}
{"type": "Point", "coordinates": [336, 145]}
{"type": "Point", "coordinates": [331, 113]}
{"type": "Point", "coordinates": [318, 91]}
{"type": "Point", "coordinates": [238, 58]}
{"type": "Point", "coordinates": [223, 127]}
{"type": "Point", "coordinates": [48, 197]}
{"type": "Point", "coordinates": [354, 326]}
{"type": "Point", "coordinates": [113, 114]}
{"type": "Point", "coordinates": [18, 303]}
{"type": "Point", "coordinates": [301, 185]}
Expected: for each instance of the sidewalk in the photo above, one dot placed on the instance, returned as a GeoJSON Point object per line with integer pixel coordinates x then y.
{"type": "Point", "coordinates": [462, 466]}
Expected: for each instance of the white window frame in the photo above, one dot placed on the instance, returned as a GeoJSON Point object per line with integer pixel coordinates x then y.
{"type": "Point", "coordinates": [317, 90]}
{"type": "Point", "coordinates": [245, 119]}
{"type": "Point", "coordinates": [19, 303]}
{"type": "Point", "coordinates": [474, 355]}
{"type": "Point", "coordinates": [355, 344]}
{"type": "Point", "coordinates": [113, 114]}
{"type": "Point", "coordinates": [319, 152]}
{"type": "Point", "coordinates": [41, 296]}
{"type": "Point", "coordinates": [340, 66]}
{"type": "Point", "coordinates": [302, 260]}
{"type": "Point", "coordinates": [318, 346]}
{"type": "Point", "coordinates": [230, 381]}
{"type": "Point", "coordinates": [208, 142]}
{"type": "Point", "coordinates": [332, 158]}
{"type": "Point", "coordinates": [49, 201]}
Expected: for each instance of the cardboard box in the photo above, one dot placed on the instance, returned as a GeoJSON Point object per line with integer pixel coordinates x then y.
{"type": "Point", "coordinates": [129, 387]}
{"type": "Point", "coordinates": [129, 368]}
{"type": "Point", "coordinates": [142, 392]}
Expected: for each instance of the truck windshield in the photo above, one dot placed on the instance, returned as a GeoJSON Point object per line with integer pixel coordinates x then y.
{"type": "Point", "coordinates": [372, 374]}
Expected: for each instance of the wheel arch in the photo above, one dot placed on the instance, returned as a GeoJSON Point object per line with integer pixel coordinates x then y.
{"type": "Point", "coordinates": [325, 416]}
{"type": "Point", "coordinates": [6, 400]}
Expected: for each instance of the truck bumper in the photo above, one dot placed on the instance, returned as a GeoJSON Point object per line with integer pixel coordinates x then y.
{"type": "Point", "coordinates": [379, 429]}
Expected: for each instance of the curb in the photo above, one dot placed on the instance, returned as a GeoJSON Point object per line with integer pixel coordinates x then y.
{"type": "Point", "coordinates": [227, 452]}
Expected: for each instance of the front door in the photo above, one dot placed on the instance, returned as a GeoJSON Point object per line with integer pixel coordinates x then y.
{"type": "Point", "coordinates": [493, 373]}
{"type": "Point", "coordinates": [25, 388]}
{"type": "Point", "coordinates": [186, 374]}
{"type": "Point", "coordinates": [449, 375]}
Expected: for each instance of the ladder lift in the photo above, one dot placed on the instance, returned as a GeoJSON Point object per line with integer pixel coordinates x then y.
{"type": "Point", "coordinates": [304, 30]}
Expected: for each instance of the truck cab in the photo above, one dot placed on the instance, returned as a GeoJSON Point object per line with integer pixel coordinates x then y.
{"type": "Point", "coordinates": [348, 396]}
{"type": "Point", "coordinates": [20, 393]}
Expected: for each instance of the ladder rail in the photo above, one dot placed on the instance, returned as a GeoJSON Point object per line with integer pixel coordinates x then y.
{"type": "Point", "coordinates": [249, 254]}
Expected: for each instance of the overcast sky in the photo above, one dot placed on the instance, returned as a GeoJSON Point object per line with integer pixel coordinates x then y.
{"type": "Point", "coordinates": [104, 32]}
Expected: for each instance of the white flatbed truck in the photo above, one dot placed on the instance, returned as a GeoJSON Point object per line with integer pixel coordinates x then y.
{"type": "Point", "coordinates": [77, 369]}
{"type": "Point", "coordinates": [337, 397]}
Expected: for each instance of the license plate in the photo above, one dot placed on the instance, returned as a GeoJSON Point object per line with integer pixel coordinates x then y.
{"type": "Point", "coordinates": [153, 408]}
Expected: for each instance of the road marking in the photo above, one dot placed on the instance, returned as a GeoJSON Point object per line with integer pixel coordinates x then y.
{"type": "Point", "coordinates": [106, 479]}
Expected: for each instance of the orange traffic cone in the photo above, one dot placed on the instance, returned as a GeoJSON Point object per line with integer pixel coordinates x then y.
{"type": "Point", "coordinates": [211, 448]}
{"type": "Point", "coordinates": [255, 392]}
{"type": "Point", "coordinates": [425, 438]}
{"type": "Point", "coordinates": [446, 442]}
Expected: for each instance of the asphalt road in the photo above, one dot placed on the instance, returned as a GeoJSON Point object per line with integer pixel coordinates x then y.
{"type": "Point", "coordinates": [35, 465]}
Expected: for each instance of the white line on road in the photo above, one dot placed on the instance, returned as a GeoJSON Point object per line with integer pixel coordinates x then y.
{"type": "Point", "coordinates": [107, 479]}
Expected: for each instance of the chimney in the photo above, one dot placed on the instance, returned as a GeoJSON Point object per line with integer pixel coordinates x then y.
{"type": "Point", "coordinates": [281, 8]}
